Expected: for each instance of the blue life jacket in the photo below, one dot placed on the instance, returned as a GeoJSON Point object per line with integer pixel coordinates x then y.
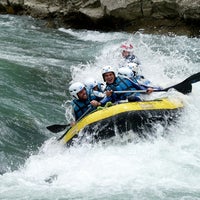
{"type": "Point", "coordinates": [80, 107]}
{"type": "Point", "coordinates": [122, 84]}
{"type": "Point", "coordinates": [133, 59]}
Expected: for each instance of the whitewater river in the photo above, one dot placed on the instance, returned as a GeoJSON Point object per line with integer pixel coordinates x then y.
{"type": "Point", "coordinates": [36, 67]}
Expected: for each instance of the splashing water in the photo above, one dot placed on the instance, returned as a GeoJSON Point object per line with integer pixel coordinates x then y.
{"type": "Point", "coordinates": [37, 66]}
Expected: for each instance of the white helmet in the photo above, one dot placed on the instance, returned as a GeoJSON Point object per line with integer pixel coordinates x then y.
{"type": "Point", "coordinates": [127, 47]}
{"type": "Point", "coordinates": [125, 72]}
{"type": "Point", "coordinates": [75, 88]}
{"type": "Point", "coordinates": [133, 66]}
{"type": "Point", "coordinates": [90, 83]}
{"type": "Point", "coordinates": [106, 69]}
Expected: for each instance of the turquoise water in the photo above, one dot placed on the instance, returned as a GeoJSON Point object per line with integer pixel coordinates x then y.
{"type": "Point", "coordinates": [36, 66]}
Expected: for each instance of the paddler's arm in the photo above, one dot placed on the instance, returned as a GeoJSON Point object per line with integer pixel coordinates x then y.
{"type": "Point", "coordinates": [149, 90]}
{"type": "Point", "coordinates": [95, 103]}
{"type": "Point", "coordinates": [109, 93]}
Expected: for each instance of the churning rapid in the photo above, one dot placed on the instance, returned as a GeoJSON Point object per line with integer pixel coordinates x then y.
{"type": "Point", "coordinates": [37, 65]}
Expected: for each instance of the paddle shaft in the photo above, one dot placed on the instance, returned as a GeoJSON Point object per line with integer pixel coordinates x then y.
{"type": "Point", "coordinates": [135, 91]}
{"type": "Point", "coordinates": [184, 87]}
{"type": "Point", "coordinates": [131, 91]}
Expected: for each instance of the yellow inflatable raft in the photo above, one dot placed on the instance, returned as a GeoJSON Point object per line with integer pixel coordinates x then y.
{"type": "Point", "coordinates": [136, 116]}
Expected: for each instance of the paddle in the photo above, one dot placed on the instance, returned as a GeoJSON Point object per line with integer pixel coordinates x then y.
{"type": "Point", "coordinates": [184, 87]}
{"type": "Point", "coordinates": [55, 128]}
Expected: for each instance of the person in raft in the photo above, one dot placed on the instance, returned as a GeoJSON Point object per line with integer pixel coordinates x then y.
{"type": "Point", "coordinates": [117, 83]}
{"type": "Point", "coordinates": [131, 72]}
{"type": "Point", "coordinates": [83, 102]}
{"type": "Point", "coordinates": [98, 90]}
{"type": "Point", "coordinates": [127, 54]}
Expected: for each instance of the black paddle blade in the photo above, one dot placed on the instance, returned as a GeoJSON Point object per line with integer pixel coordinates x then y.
{"type": "Point", "coordinates": [57, 128]}
{"type": "Point", "coordinates": [185, 86]}
{"type": "Point", "coordinates": [194, 78]}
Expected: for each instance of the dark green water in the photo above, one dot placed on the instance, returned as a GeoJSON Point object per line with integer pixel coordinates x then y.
{"type": "Point", "coordinates": [36, 67]}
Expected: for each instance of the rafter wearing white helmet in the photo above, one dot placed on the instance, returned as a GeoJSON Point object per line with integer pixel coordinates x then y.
{"type": "Point", "coordinates": [90, 83]}
{"type": "Point", "coordinates": [134, 67]}
{"type": "Point", "coordinates": [75, 88]}
{"type": "Point", "coordinates": [107, 69]}
{"type": "Point", "coordinates": [95, 87]}
{"type": "Point", "coordinates": [125, 72]}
